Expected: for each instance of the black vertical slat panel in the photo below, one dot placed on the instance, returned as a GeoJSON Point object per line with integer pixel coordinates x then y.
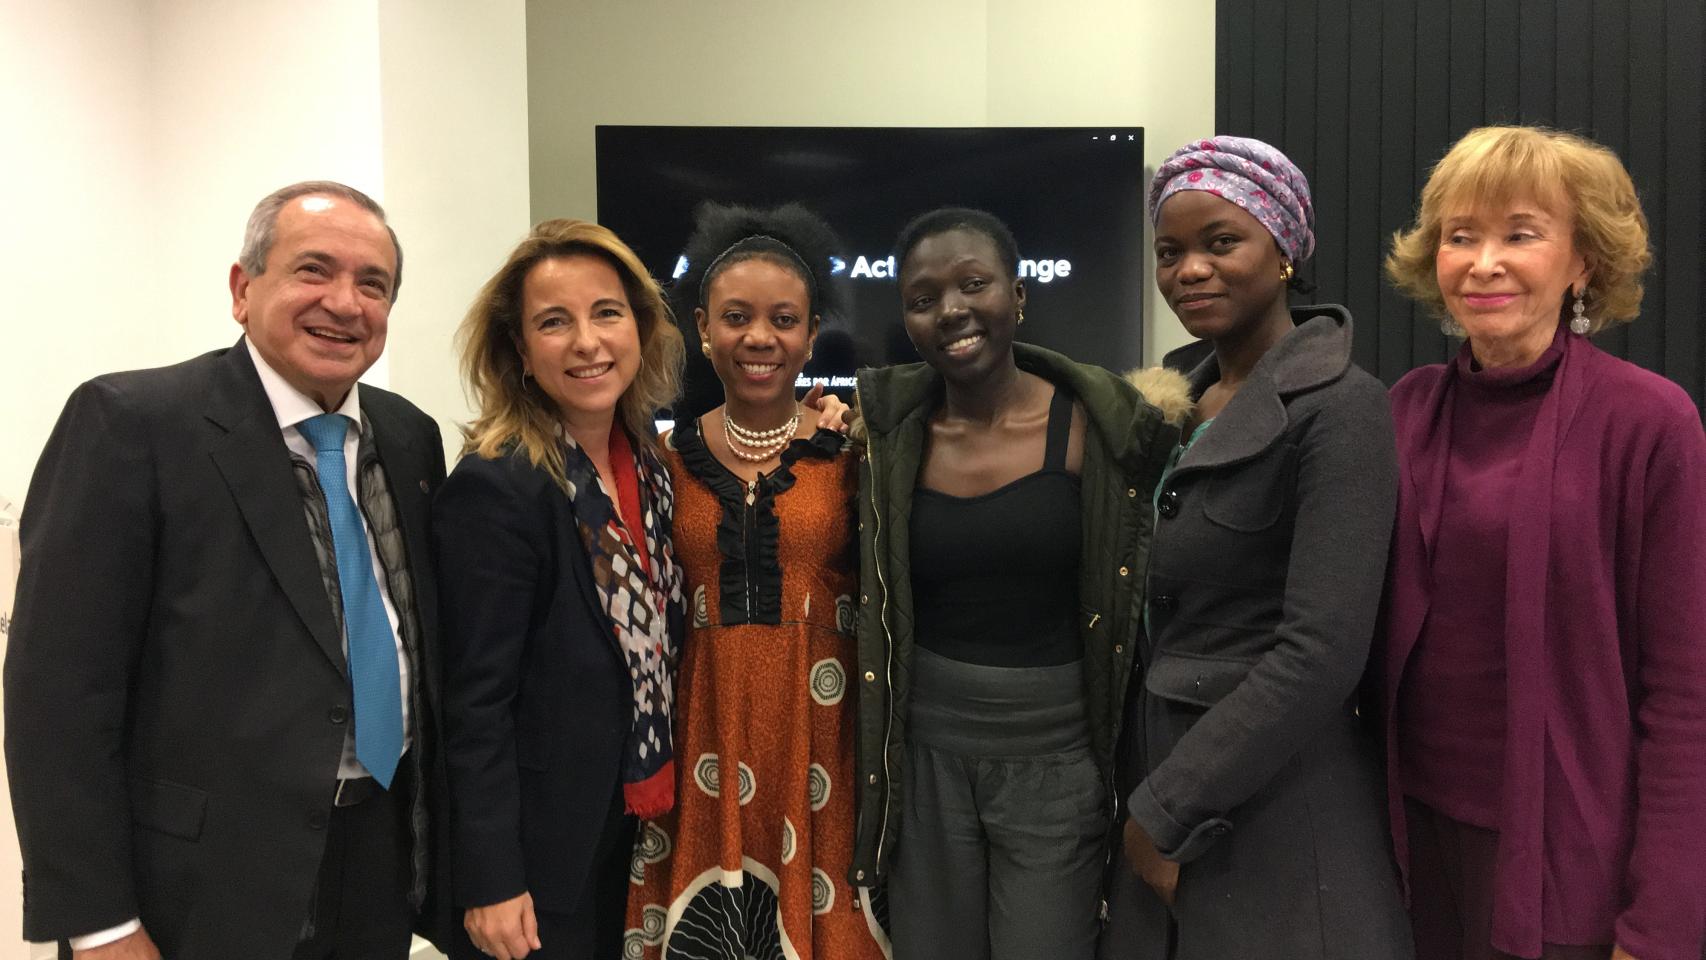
{"type": "Point", "coordinates": [1536, 51]}
{"type": "Point", "coordinates": [1365, 241]}
{"type": "Point", "coordinates": [1433, 136]}
{"type": "Point", "coordinates": [1646, 162]}
{"type": "Point", "coordinates": [1397, 172]}
{"type": "Point", "coordinates": [1466, 66]}
{"type": "Point", "coordinates": [1327, 176]}
{"type": "Point", "coordinates": [1685, 159]}
{"type": "Point", "coordinates": [1610, 100]}
{"type": "Point", "coordinates": [1501, 101]}
{"type": "Point", "coordinates": [1267, 120]}
{"type": "Point", "coordinates": [1573, 75]}
{"type": "Point", "coordinates": [1296, 134]}
{"type": "Point", "coordinates": [1234, 77]}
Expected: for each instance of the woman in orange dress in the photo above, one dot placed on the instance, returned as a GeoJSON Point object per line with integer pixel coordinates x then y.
{"type": "Point", "coordinates": [753, 860]}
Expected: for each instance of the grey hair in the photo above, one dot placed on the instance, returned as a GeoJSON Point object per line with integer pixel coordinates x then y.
{"type": "Point", "coordinates": [262, 231]}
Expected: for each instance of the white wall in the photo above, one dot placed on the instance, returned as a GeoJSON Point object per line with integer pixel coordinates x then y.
{"type": "Point", "coordinates": [1143, 63]}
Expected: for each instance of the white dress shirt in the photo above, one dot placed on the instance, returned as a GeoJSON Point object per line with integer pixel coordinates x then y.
{"type": "Point", "coordinates": [292, 406]}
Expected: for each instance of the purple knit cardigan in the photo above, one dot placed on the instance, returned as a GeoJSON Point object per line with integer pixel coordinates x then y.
{"type": "Point", "coordinates": [1603, 832]}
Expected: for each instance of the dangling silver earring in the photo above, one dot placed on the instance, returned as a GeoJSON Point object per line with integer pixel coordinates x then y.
{"type": "Point", "coordinates": [1580, 324]}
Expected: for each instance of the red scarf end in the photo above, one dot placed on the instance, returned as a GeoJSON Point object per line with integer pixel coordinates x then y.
{"type": "Point", "coordinates": [652, 797]}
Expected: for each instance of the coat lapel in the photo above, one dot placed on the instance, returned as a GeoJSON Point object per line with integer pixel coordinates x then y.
{"type": "Point", "coordinates": [252, 458]}
{"type": "Point", "coordinates": [406, 469]}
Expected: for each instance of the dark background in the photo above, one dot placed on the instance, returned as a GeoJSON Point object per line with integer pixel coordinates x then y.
{"type": "Point", "coordinates": [1366, 95]}
{"type": "Point", "coordinates": [1067, 193]}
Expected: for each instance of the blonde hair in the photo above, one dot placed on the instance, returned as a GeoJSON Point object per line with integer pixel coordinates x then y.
{"type": "Point", "coordinates": [1565, 173]}
{"type": "Point", "coordinates": [489, 340]}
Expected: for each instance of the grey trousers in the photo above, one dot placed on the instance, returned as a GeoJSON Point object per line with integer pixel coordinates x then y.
{"type": "Point", "coordinates": [1004, 816]}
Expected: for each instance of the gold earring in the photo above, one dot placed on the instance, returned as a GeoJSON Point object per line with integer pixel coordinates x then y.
{"type": "Point", "coordinates": [1286, 272]}
{"type": "Point", "coordinates": [1021, 314]}
{"type": "Point", "coordinates": [705, 346]}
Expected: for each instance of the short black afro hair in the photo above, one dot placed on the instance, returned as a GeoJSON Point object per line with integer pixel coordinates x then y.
{"type": "Point", "coordinates": [946, 219]}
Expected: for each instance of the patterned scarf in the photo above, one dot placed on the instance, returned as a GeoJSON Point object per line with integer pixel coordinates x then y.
{"type": "Point", "coordinates": [644, 613]}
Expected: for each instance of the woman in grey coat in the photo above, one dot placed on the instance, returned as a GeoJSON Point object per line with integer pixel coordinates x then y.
{"type": "Point", "coordinates": [1255, 822]}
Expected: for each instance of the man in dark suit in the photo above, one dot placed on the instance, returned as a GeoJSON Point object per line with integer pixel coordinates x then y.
{"type": "Point", "coordinates": [221, 692]}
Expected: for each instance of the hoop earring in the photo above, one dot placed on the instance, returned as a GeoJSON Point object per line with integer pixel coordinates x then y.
{"type": "Point", "coordinates": [524, 376]}
{"type": "Point", "coordinates": [1286, 272]}
{"type": "Point", "coordinates": [1580, 324]}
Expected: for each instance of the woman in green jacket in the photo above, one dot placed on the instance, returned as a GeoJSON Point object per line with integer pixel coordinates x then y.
{"type": "Point", "coordinates": [1003, 534]}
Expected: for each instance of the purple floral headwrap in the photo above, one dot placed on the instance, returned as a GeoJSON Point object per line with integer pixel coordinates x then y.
{"type": "Point", "coordinates": [1251, 174]}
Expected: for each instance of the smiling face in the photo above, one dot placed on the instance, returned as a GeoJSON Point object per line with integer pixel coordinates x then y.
{"type": "Point", "coordinates": [961, 304]}
{"type": "Point", "coordinates": [757, 319]}
{"type": "Point", "coordinates": [1217, 266]}
{"type": "Point", "coordinates": [579, 337]}
{"type": "Point", "coordinates": [318, 313]}
{"type": "Point", "coordinates": [1503, 271]}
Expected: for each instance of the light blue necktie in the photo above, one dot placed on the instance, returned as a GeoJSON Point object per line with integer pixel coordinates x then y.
{"type": "Point", "coordinates": [367, 630]}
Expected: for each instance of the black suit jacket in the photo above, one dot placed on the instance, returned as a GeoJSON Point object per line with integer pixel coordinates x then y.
{"type": "Point", "coordinates": [175, 690]}
{"type": "Point", "coordinates": [537, 697]}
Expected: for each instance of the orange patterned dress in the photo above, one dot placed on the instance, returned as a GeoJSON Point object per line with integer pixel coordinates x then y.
{"type": "Point", "coordinates": [753, 860]}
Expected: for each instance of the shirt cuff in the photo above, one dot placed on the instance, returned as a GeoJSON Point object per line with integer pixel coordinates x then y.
{"type": "Point", "coordinates": [101, 938]}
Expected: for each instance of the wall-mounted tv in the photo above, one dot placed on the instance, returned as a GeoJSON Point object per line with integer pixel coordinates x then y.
{"type": "Point", "coordinates": [1073, 196]}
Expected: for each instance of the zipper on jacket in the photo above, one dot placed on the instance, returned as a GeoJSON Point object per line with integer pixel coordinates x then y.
{"type": "Point", "coordinates": [888, 642]}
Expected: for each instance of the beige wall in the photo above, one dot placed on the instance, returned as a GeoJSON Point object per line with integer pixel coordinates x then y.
{"type": "Point", "coordinates": [1143, 63]}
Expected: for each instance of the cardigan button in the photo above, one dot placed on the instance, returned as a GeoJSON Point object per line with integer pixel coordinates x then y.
{"type": "Point", "coordinates": [1168, 506]}
{"type": "Point", "coordinates": [859, 875]}
{"type": "Point", "coordinates": [870, 676]}
{"type": "Point", "coordinates": [1130, 492]}
{"type": "Point", "coordinates": [864, 598]}
{"type": "Point", "coordinates": [1125, 572]}
{"type": "Point", "coordinates": [1119, 648]}
{"type": "Point", "coordinates": [871, 779]}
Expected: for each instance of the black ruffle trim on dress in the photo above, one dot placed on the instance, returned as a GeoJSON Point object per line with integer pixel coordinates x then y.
{"type": "Point", "coordinates": [750, 576]}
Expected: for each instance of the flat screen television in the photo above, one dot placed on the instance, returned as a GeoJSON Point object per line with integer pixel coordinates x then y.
{"type": "Point", "coordinates": [1072, 195]}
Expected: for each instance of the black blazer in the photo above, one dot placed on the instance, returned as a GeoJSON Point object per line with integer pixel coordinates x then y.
{"type": "Point", "coordinates": [537, 698]}
{"type": "Point", "coordinates": [175, 689]}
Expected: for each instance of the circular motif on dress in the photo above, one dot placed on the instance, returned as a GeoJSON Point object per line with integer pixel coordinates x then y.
{"type": "Point", "coordinates": [701, 609]}
{"type": "Point", "coordinates": [653, 919]}
{"type": "Point", "coordinates": [828, 682]}
{"type": "Point", "coordinates": [748, 784]}
{"type": "Point", "coordinates": [653, 844]}
{"type": "Point", "coordinates": [789, 839]}
{"type": "Point", "coordinates": [844, 614]}
{"type": "Point", "coordinates": [823, 892]}
{"type": "Point", "coordinates": [633, 945]}
{"type": "Point", "coordinates": [707, 775]}
{"type": "Point", "coordinates": [723, 917]}
{"type": "Point", "coordinates": [817, 787]}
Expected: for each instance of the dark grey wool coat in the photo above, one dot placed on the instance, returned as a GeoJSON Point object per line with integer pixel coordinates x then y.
{"type": "Point", "coordinates": [1244, 759]}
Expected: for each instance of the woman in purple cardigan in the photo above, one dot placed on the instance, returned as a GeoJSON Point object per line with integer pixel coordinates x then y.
{"type": "Point", "coordinates": [1543, 673]}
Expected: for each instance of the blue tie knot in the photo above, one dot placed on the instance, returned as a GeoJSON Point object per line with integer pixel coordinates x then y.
{"type": "Point", "coordinates": [326, 432]}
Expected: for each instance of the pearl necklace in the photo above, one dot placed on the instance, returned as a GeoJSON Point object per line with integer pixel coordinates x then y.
{"type": "Point", "coordinates": [761, 445]}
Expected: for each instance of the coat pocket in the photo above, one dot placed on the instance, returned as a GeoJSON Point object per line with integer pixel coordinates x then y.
{"type": "Point", "coordinates": [1197, 681]}
{"type": "Point", "coordinates": [1251, 496]}
{"type": "Point", "coordinates": [170, 808]}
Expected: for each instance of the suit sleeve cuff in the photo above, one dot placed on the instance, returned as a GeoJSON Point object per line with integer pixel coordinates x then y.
{"type": "Point", "coordinates": [1176, 841]}
{"type": "Point", "coordinates": [101, 938]}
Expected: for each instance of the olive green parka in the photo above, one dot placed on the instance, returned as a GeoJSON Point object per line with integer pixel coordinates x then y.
{"type": "Point", "coordinates": [1126, 445]}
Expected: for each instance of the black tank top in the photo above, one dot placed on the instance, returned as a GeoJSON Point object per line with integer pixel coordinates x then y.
{"type": "Point", "coordinates": [995, 576]}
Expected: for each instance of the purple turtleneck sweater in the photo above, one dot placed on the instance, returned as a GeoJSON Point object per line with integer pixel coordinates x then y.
{"type": "Point", "coordinates": [1451, 705]}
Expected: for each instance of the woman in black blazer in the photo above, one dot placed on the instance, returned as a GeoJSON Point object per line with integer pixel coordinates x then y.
{"type": "Point", "coordinates": [561, 594]}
